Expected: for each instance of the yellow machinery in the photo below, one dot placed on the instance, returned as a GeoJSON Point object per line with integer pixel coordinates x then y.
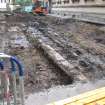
{"type": "Point", "coordinates": [95, 97]}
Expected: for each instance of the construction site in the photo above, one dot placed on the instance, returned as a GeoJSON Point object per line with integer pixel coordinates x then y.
{"type": "Point", "coordinates": [60, 55]}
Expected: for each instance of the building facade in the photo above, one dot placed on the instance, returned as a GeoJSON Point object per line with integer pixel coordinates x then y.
{"type": "Point", "coordinates": [8, 5]}
{"type": "Point", "coordinates": [3, 4]}
{"type": "Point", "coordinates": [93, 10]}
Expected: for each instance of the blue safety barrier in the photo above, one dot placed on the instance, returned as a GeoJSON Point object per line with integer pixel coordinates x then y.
{"type": "Point", "coordinates": [15, 63]}
{"type": "Point", "coordinates": [1, 65]}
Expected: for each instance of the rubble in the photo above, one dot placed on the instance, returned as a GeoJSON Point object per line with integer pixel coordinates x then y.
{"type": "Point", "coordinates": [64, 41]}
{"type": "Point", "coordinates": [2, 16]}
{"type": "Point", "coordinates": [40, 73]}
{"type": "Point", "coordinates": [72, 46]}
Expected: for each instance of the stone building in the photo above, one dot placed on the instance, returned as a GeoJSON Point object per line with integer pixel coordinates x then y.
{"type": "Point", "coordinates": [8, 5]}
{"type": "Point", "coordinates": [87, 10]}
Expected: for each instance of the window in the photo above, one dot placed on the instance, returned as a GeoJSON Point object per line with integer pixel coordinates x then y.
{"type": "Point", "coordinates": [54, 2]}
{"type": "Point", "coordinates": [59, 2]}
{"type": "Point", "coordinates": [75, 1]}
{"type": "Point", "coordinates": [89, 0]}
{"type": "Point", "coordinates": [66, 1]}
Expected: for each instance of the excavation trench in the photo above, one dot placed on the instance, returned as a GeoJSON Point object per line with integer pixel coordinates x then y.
{"type": "Point", "coordinates": [48, 72]}
{"type": "Point", "coordinates": [40, 71]}
{"type": "Point", "coordinates": [54, 52]}
{"type": "Point", "coordinates": [59, 61]}
{"type": "Point", "coordinates": [75, 44]}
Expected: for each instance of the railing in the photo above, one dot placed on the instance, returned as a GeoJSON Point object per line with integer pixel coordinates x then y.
{"type": "Point", "coordinates": [11, 81]}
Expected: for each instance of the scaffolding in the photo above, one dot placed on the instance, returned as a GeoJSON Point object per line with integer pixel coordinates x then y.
{"type": "Point", "coordinates": [11, 81]}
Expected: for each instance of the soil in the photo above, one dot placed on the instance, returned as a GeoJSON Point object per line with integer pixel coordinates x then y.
{"type": "Point", "coordinates": [80, 43]}
{"type": "Point", "coordinates": [40, 73]}
{"type": "Point", "coordinates": [76, 41]}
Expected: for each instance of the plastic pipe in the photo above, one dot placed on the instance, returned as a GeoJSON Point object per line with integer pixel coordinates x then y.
{"type": "Point", "coordinates": [2, 89]}
{"type": "Point", "coordinates": [13, 69]}
{"type": "Point", "coordinates": [1, 66]}
{"type": "Point", "coordinates": [21, 81]}
{"type": "Point", "coordinates": [6, 78]}
{"type": "Point", "coordinates": [14, 59]}
{"type": "Point", "coordinates": [14, 88]}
